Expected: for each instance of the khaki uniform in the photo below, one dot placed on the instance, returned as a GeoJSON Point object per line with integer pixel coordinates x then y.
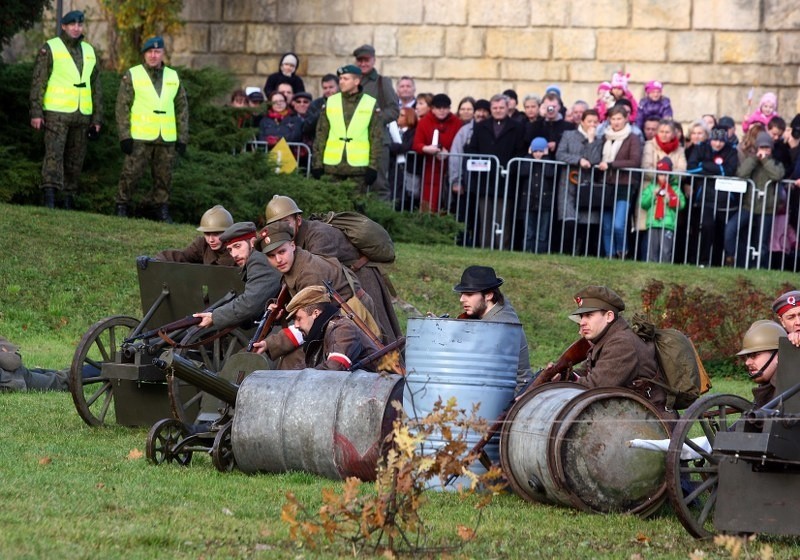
{"type": "Point", "coordinates": [197, 252]}
{"type": "Point", "coordinates": [157, 154]}
{"type": "Point", "coordinates": [261, 283]}
{"type": "Point", "coordinates": [65, 134]}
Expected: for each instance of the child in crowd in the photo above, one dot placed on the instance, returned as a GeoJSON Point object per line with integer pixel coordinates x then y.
{"type": "Point", "coordinates": [654, 104]}
{"type": "Point", "coordinates": [536, 204]}
{"type": "Point", "coordinates": [604, 100]}
{"type": "Point", "coordinates": [619, 89]}
{"type": "Point", "coordinates": [767, 108]}
{"type": "Point", "coordinates": [663, 199]}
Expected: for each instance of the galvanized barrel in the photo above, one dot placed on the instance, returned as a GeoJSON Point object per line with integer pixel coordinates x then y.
{"type": "Point", "coordinates": [566, 445]}
{"type": "Point", "coordinates": [332, 423]}
{"type": "Point", "coordinates": [473, 361]}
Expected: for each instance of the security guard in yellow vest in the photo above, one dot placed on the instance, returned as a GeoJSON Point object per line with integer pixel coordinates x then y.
{"type": "Point", "coordinates": [153, 123]}
{"type": "Point", "coordinates": [349, 138]}
{"type": "Point", "coordinates": [66, 103]}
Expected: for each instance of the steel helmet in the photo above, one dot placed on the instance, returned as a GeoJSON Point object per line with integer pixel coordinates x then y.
{"type": "Point", "coordinates": [215, 220]}
{"type": "Point", "coordinates": [280, 207]}
{"type": "Point", "coordinates": [762, 335]}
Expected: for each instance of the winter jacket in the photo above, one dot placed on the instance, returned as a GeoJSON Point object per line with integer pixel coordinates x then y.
{"type": "Point", "coordinates": [277, 78]}
{"type": "Point", "coordinates": [673, 202]}
{"type": "Point", "coordinates": [649, 109]}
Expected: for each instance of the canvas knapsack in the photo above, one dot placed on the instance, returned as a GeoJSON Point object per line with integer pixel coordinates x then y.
{"type": "Point", "coordinates": [686, 378]}
{"type": "Point", "coordinates": [366, 235]}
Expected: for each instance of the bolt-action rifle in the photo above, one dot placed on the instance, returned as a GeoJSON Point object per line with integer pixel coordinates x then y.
{"type": "Point", "coordinates": [270, 317]}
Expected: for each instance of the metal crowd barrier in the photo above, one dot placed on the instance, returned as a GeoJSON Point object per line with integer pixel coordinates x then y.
{"type": "Point", "coordinates": [300, 151]}
{"type": "Point", "coordinates": [545, 206]}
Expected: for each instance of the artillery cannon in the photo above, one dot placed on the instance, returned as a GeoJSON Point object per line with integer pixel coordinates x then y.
{"type": "Point", "coordinates": [112, 371]}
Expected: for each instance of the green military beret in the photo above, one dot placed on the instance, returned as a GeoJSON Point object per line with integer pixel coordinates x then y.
{"type": "Point", "coordinates": [153, 43]}
{"type": "Point", "coordinates": [240, 231]}
{"type": "Point", "coordinates": [278, 233]}
{"type": "Point", "coordinates": [348, 69]}
{"type": "Point", "coordinates": [598, 298]}
{"type": "Point", "coordinates": [305, 297]}
{"type": "Point", "coordinates": [72, 17]}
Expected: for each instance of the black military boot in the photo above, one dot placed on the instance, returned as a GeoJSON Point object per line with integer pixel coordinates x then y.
{"type": "Point", "coordinates": [122, 210]}
{"type": "Point", "coordinates": [69, 201]}
{"type": "Point", "coordinates": [49, 197]}
{"type": "Point", "coordinates": [162, 213]}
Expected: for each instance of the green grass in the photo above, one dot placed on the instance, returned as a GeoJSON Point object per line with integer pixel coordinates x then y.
{"type": "Point", "coordinates": [70, 491]}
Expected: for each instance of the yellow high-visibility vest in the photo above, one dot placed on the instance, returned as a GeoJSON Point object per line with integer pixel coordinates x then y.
{"type": "Point", "coordinates": [67, 90]}
{"type": "Point", "coordinates": [153, 115]}
{"type": "Point", "coordinates": [353, 138]}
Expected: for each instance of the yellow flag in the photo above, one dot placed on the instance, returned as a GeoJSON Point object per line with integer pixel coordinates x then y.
{"type": "Point", "coordinates": [282, 157]}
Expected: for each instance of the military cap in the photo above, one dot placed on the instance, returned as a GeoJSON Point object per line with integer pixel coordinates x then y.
{"type": "Point", "coordinates": [364, 50]}
{"type": "Point", "coordinates": [786, 302]}
{"type": "Point", "coordinates": [478, 279]}
{"type": "Point", "coordinates": [278, 233]}
{"type": "Point", "coordinates": [348, 69]}
{"type": "Point", "coordinates": [153, 43]}
{"type": "Point", "coordinates": [305, 297]}
{"type": "Point", "coordinates": [598, 298]}
{"type": "Point", "coordinates": [72, 17]}
{"type": "Point", "coordinates": [240, 231]}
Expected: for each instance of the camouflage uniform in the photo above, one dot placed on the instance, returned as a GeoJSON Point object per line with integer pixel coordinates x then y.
{"type": "Point", "coordinates": [381, 88]}
{"type": "Point", "coordinates": [65, 134]}
{"type": "Point", "coordinates": [197, 252]}
{"type": "Point", "coordinates": [343, 170]}
{"type": "Point", "coordinates": [158, 154]}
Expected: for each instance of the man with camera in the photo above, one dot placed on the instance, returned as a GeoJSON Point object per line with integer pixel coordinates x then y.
{"type": "Point", "coordinates": [552, 124]}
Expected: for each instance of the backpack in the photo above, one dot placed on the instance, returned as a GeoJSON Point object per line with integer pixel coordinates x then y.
{"type": "Point", "coordinates": [366, 235]}
{"type": "Point", "coordinates": [686, 378]}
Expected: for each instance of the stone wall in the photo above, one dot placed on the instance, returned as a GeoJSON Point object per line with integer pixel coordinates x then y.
{"type": "Point", "coordinates": [709, 53]}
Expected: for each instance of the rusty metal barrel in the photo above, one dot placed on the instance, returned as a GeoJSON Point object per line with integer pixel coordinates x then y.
{"type": "Point", "coordinates": [473, 361]}
{"type": "Point", "coordinates": [566, 445]}
{"type": "Point", "coordinates": [331, 423]}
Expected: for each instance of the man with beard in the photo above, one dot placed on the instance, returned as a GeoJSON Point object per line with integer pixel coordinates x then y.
{"type": "Point", "coordinates": [261, 281]}
{"type": "Point", "coordinates": [482, 299]}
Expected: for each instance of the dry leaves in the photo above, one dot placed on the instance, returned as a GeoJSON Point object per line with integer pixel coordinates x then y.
{"type": "Point", "coordinates": [45, 460]}
{"type": "Point", "coordinates": [135, 454]}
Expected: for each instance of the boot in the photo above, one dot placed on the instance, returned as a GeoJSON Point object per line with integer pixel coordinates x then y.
{"type": "Point", "coordinates": [49, 197]}
{"type": "Point", "coordinates": [122, 210]}
{"type": "Point", "coordinates": [69, 201]}
{"type": "Point", "coordinates": [162, 213]}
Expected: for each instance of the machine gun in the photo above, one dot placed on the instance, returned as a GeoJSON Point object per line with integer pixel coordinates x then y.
{"type": "Point", "coordinates": [575, 354]}
{"type": "Point", "coordinates": [186, 370]}
{"type": "Point", "coordinates": [270, 317]}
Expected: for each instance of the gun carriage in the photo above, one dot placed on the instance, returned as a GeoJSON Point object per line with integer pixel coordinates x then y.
{"type": "Point", "coordinates": [112, 371]}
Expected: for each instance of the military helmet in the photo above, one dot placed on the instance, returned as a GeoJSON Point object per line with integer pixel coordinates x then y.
{"type": "Point", "coordinates": [761, 336]}
{"type": "Point", "coordinates": [280, 207]}
{"type": "Point", "coordinates": [215, 220]}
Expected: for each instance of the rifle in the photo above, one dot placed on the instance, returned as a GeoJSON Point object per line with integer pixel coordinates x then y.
{"type": "Point", "coordinates": [270, 317]}
{"type": "Point", "coordinates": [575, 354]}
{"type": "Point", "coordinates": [396, 364]}
{"type": "Point", "coordinates": [379, 353]}
{"type": "Point", "coordinates": [186, 322]}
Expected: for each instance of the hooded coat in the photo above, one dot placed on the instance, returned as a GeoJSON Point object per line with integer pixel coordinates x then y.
{"type": "Point", "coordinates": [277, 78]}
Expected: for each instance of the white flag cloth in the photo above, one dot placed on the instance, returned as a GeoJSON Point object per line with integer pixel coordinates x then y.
{"type": "Point", "coordinates": [687, 453]}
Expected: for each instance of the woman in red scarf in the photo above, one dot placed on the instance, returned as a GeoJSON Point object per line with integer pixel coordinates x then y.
{"type": "Point", "coordinates": [433, 138]}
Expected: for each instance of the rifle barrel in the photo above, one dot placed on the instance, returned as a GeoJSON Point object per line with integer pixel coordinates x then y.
{"type": "Point", "coordinates": [207, 381]}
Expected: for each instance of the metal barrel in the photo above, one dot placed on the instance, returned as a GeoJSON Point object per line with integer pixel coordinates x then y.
{"type": "Point", "coordinates": [203, 379]}
{"type": "Point", "coordinates": [331, 423]}
{"type": "Point", "coordinates": [473, 361]}
{"type": "Point", "coordinates": [566, 445]}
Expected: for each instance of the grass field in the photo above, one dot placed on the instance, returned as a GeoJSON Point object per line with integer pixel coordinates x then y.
{"type": "Point", "coordinates": [71, 491]}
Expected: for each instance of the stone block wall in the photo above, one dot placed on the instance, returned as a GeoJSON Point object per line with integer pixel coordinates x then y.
{"type": "Point", "coordinates": [709, 53]}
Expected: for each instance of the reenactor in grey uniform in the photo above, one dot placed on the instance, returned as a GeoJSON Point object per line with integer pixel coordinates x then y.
{"type": "Point", "coordinates": [261, 281]}
{"type": "Point", "coordinates": [205, 249]}
{"type": "Point", "coordinates": [481, 299]}
{"type": "Point", "coordinates": [14, 376]}
{"type": "Point", "coordinates": [326, 240]}
{"type": "Point", "coordinates": [66, 101]}
{"type": "Point", "coordinates": [153, 122]}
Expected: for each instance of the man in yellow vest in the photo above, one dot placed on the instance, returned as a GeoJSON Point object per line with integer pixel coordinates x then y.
{"type": "Point", "coordinates": [349, 138]}
{"type": "Point", "coordinates": [66, 103]}
{"type": "Point", "coordinates": [153, 123]}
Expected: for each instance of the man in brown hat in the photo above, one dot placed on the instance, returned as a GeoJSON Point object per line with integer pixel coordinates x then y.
{"type": "Point", "coordinates": [787, 307]}
{"type": "Point", "coordinates": [261, 281]}
{"type": "Point", "coordinates": [482, 299]}
{"type": "Point", "coordinates": [330, 341]}
{"type": "Point", "coordinates": [617, 357]}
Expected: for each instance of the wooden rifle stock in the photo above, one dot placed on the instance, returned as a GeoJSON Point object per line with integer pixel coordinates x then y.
{"type": "Point", "coordinates": [575, 354]}
{"type": "Point", "coordinates": [271, 316]}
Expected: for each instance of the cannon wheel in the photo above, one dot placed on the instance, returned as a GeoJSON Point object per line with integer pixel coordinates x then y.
{"type": "Point", "coordinates": [692, 485]}
{"type": "Point", "coordinates": [93, 396]}
{"type": "Point", "coordinates": [162, 439]}
{"type": "Point", "coordinates": [222, 450]}
{"type": "Point", "coordinates": [213, 356]}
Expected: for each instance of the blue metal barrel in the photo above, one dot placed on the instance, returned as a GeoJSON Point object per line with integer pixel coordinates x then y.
{"type": "Point", "coordinates": [473, 361]}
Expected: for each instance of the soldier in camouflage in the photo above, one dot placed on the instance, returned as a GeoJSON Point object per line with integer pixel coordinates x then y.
{"type": "Point", "coordinates": [153, 122]}
{"type": "Point", "coordinates": [66, 102]}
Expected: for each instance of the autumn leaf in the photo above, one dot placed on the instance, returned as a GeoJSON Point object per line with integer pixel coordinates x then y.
{"type": "Point", "coordinates": [642, 538]}
{"type": "Point", "coordinates": [135, 454]}
{"type": "Point", "coordinates": [465, 533]}
{"type": "Point", "coordinates": [45, 460]}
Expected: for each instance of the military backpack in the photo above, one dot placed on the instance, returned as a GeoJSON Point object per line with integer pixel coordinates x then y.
{"type": "Point", "coordinates": [368, 236]}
